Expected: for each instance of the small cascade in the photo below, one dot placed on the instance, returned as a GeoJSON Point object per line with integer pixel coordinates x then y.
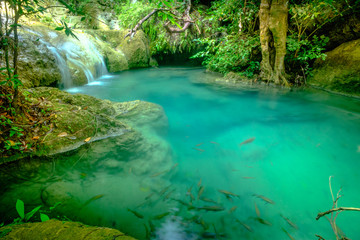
{"type": "Point", "coordinates": [73, 56]}
{"type": "Point", "coordinates": [72, 53]}
{"type": "Point", "coordinates": [63, 67]}
{"type": "Point", "coordinates": [100, 67]}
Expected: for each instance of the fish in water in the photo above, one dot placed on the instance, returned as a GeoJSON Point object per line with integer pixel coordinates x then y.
{"type": "Point", "coordinates": [263, 221]}
{"type": "Point", "coordinates": [160, 216]}
{"type": "Point", "coordinates": [167, 196]}
{"type": "Point", "coordinates": [159, 173]}
{"type": "Point", "coordinates": [245, 177]}
{"type": "Point", "coordinates": [257, 210]}
{"type": "Point", "coordinates": [189, 190]}
{"type": "Point", "coordinates": [291, 237]}
{"type": "Point", "coordinates": [214, 143]}
{"type": "Point", "coordinates": [136, 213]}
{"type": "Point", "coordinates": [268, 200]}
{"type": "Point", "coordinates": [199, 149]}
{"type": "Point", "coordinates": [201, 191]}
{"type": "Point", "coordinates": [93, 199]}
{"type": "Point", "coordinates": [192, 197]}
{"type": "Point", "coordinates": [149, 196]}
{"type": "Point", "coordinates": [173, 167]}
{"type": "Point", "coordinates": [289, 221]}
{"type": "Point", "coordinates": [198, 145]}
{"type": "Point", "coordinates": [214, 208]}
{"type": "Point", "coordinates": [250, 140]}
{"type": "Point", "coordinates": [231, 210]}
{"type": "Point", "coordinates": [227, 193]}
{"type": "Point", "coordinates": [164, 190]}
{"type": "Point", "coordinates": [199, 183]}
{"type": "Point", "coordinates": [244, 225]}
{"type": "Point", "coordinates": [207, 200]}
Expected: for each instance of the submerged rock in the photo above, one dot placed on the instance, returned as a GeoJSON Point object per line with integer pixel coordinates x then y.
{"type": "Point", "coordinates": [340, 71]}
{"type": "Point", "coordinates": [55, 229]}
{"type": "Point", "coordinates": [128, 129]}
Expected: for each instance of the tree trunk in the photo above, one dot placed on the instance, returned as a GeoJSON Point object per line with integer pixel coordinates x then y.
{"type": "Point", "coordinates": [273, 16]}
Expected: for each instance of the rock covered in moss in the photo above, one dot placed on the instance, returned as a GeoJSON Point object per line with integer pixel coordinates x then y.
{"type": "Point", "coordinates": [340, 71]}
{"type": "Point", "coordinates": [36, 63]}
{"type": "Point", "coordinates": [55, 229]}
{"type": "Point", "coordinates": [80, 117]}
{"type": "Point", "coordinates": [136, 49]}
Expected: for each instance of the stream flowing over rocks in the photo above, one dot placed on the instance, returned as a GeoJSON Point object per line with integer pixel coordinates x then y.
{"type": "Point", "coordinates": [50, 58]}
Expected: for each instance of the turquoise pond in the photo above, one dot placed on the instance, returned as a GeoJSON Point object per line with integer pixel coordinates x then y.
{"type": "Point", "coordinates": [294, 141]}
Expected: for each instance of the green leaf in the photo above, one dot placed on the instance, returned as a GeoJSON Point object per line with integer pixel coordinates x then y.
{"type": "Point", "coordinates": [44, 217]}
{"type": "Point", "coordinates": [59, 28]}
{"type": "Point", "coordinates": [31, 213]}
{"type": "Point", "coordinates": [167, 4]}
{"type": "Point", "coordinates": [20, 208]}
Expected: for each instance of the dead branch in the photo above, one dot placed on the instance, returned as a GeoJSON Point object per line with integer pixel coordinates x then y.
{"type": "Point", "coordinates": [186, 18]}
{"type": "Point", "coordinates": [132, 32]}
{"type": "Point", "coordinates": [335, 210]}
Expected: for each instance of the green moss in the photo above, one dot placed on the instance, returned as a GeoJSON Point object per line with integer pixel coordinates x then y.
{"type": "Point", "coordinates": [55, 229]}
{"type": "Point", "coordinates": [340, 71]}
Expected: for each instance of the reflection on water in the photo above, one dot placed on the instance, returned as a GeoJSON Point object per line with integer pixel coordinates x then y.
{"type": "Point", "coordinates": [234, 164]}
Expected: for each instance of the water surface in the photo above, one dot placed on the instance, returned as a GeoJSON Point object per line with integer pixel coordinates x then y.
{"type": "Point", "coordinates": [296, 140]}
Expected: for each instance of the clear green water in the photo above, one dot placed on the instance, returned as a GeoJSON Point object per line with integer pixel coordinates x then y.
{"type": "Point", "coordinates": [301, 138]}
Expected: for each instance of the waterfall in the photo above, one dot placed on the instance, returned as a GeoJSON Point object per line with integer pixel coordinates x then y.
{"type": "Point", "coordinates": [63, 67]}
{"type": "Point", "coordinates": [72, 55]}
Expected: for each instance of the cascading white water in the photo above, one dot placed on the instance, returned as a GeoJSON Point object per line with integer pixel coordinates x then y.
{"type": "Point", "coordinates": [63, 67]}
{"type": "Point", "coordinates": [73, 55]}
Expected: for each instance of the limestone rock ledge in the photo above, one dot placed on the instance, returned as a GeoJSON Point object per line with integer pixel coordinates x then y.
{"type": "Point", "coordinates": [79, 119]}
{"type": "Point", "coordinates": [340, 71]}
{"type": "Point", "coordinates": [55, 229]}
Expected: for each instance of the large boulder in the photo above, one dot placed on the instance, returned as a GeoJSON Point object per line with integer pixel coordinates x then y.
{"type": "Point", "coordinates": [135, 50]}
{"type": "Point", "coordinates": [55, 229]}
{"type": "Point", "coordinates": [340, 71]}
{"type": "Point", "coordinates": [36, 63]}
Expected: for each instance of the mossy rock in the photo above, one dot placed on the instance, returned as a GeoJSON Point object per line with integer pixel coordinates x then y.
{"type": "Point", "coordinates": [79, 119]}
{"type": "Point", "coordinates": [340, 71]}
{"type": "Point", "coordinates": [136, 49]}
{"type": "Point", "coordinates": [55, 229]}
{"type": "Point", "coordinates": [36, 63]}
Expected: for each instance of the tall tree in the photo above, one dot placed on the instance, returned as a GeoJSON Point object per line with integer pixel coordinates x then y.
{"type": "Point", "coordinates": [273, 16]}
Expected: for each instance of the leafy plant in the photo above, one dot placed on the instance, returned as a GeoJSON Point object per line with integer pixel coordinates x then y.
{"type": "Point", "coordinates": [231, 53]}
{"type": "Point", "coordinates": [24, 217]}
{"type": "Point", "coordinates": [301, 54]}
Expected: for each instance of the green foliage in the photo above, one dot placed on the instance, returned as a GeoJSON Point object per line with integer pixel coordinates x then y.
{"type": "Point", "coordinates": [232, 53]}
{"type": "Point", "coordinates": [4, 232]}
{"type": "Point", "coordinates": [20, 208]}
{"type": "Point", "coordinates": [233, 16]}
{"type": "Point", "coordinates": [161, 42]}
{"type": "Point", "coordinates": [233, 43]}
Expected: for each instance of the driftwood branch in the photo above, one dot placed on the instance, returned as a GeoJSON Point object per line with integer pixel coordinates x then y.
{"type": "Point", "coordinates": [335, 210]}
{"type": "Point", "coordinates": [133, 30]}
{"type": "Point", "coordinates": [186, 18]}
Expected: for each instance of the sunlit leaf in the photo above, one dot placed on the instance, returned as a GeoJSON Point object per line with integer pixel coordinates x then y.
{"type": "Point", "coordinates": [31, 213]}
{"type": "Point", "coordinates": [20, 208]}
{"type": "Point", "coordinates": [44, 217]}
